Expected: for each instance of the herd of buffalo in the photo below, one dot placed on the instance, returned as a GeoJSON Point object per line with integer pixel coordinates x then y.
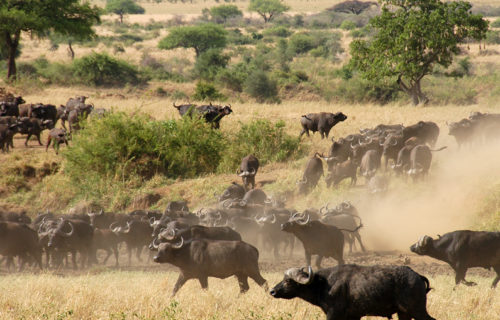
{"type": "Point", "coordinates": [222, 240]}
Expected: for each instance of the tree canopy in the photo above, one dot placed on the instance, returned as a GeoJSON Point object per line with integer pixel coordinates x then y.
{"type": "Point", "coordinates": [67, 17]}
{"type": "Point", "coordinates": [200, 37]}
{"type": "Point", "coordinates": [121, 7]}
{"type": "Point", "coordinates": [412, 36]}
{"type": "Point", "coordinates": [223, 12]}
{"type": "Point", "coordinates": [352, 6]}
{"type": "Point", "coordinates": [268, 9]}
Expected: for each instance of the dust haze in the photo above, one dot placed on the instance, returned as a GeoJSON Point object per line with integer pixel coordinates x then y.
{"type": "Point", "coordinates": [446, 200]}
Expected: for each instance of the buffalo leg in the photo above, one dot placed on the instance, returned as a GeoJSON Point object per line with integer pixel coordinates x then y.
{"type": "Point", "coordinates": [48, 144]}
{"type": "Point", "coordinates": [115, 250]}
{"type": "Point", "coordinates": [318, 261]}
{"type": "Point", "coordinates": [180, 282]}
{"type": "Point", "coordinates": [403, 316]}
{"type": "Point", "coordinates": [308, 259]}
{"type": "Point", "coordinates": [358, 237]}
{"type": "Point", "coordinates": [304, 130]}
{"type": "Point", "coordinates": [203, 282]}
{"type": "Point", "coordinates": [139, 251]}
{"type": "Point", "coordinates": [497, 278]}
{"type": "Point", "coordinates": [460, 276]}
{"type": "Point", "coordinates": [243, 283]}
{"type": "Point", "coordinates": [73, 258]}
{"type": "Point", "coordinates": [129, 248]}
{"type": "Point", "coordinates": [38, 138]}
{"type": "Point", "coordinates": [108, 254]}
{"type": "Point", "coordinates": [27, 139]}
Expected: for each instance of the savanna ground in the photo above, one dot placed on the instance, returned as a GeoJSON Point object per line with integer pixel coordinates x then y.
{"type": "Point", "coordinates": [462, 191]}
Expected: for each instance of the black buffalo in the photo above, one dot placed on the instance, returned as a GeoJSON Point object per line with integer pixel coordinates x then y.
{"type": "Point", "coordinates": [312, 174]}
{"type": "Point", "coordinates": [200, 259]}
{"type": "Point", "coordinates": [317, 238]}
{"type": "Point", "coordinates": [462, 250]}
{"type": "Point", "coordinates": [427, 131]}
{"type": "Point", "coordinates": [11, 108]}
{"type": "Point", "coordinates": [248, 169]}
{"type": "Point", "coordinates": [234, 191]}
{"type": "Point", "coordinates": [350, 292]}
{"type": "Point", "coordinates": [322, 122]}
{"type": "Point", "coordinates": [420, 161]}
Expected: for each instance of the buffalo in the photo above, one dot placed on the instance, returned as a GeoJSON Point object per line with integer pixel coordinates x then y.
{"type": "Point", "coordinates": [57, 137]}
{"type": "Point", "coordinates": [248, 169]}
{"type": "Point", "coordinates": [11, 108]}
{"type": "Point", "coordinates": [312, 174]}
{"type": "Point", "coordinates": [234, 191]}
{"type": "Point", "coordinates": [341, 171]}
{"type": "Point", "coordinates": [317, 238]}
{"type": "Point", "coordinates": [322, 122]}
{"type": "Point", "coordinates": [352, 291]}
{"type": "Point", "coordinates": [20, 240]}
{"type": "Point", "coordinates": [420, 161]}
{"type": "Point", "coordinates": [370, 163]}
{"type": "Point", "coordinates": [201, 258]}
{"type": "Point", "coordinates": [463, 249]}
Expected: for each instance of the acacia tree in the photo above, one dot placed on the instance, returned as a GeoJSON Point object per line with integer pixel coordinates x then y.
{"type": "Point", "coordinates": [268, 9]}
{"type": "Point", "coordinates": [352, 6]}
{"type": "Point", "coordinates": [411, 37]}
{"type": "Point", "coordinates": [201, 38]}
{"type": "Point", "coordinates": [121, 7]}
{"type": "Point", "coordinates": [223, 12]}
{"type": "Point", "coordinates": [69, 17]}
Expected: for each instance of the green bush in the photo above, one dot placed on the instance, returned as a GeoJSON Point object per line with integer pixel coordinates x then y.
{"type": "Point", "coordinates": [301, 43]}
{"type": "Point", "coordinates": [126, 151]}
{"type": "Point", "coordinates": [278, 31]}
{"type": "Point", "coordinates": [100, 69]}
{"type": "Point", "coordinates": [235, 76]}
{"type": "Point", "coordinates": [304, 42]}
{"type": "Point", "coordinates": [119, 147]}
{"type": "Point", "coordinates": [348, 25]}
{"type": "Point", "coordinates": [267, 141]}
{"type": "Point", "coordinates": [493, 37]}
{"type": "Point", "coordinates": [495, 24]}
{"type": "Point", "coordinates": [207, 91]}
{"type": "Point", "coordinates": [261, 87]}
{"type": "Point", "coordinates": [209, 63]}
{"type": "Point", "coordinates": [357, 90]}
{"type": "Point", "coordinates": [235, 36]}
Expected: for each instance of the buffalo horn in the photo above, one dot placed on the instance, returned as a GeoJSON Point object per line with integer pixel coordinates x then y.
{"type": "Point", "coordinates": [178, 246]}
{"type": "Point", "coordinates": [155, 245]}
{"type": "Point", "coordinates": [67, 234]}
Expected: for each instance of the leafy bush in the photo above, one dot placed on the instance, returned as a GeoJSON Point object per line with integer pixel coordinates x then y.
{"type": "Point", "coordinates": [301, 43]}
{"type": "Point", "coordinates": [236, 37]}
{"type": "Point", "coordinates": [235, 76]}
{"type": "Point", "coordinates": [267, 141]}
{"type": "Point", "coordinates": [348, 25]}
{"type": "Point", "coordinates": [127, 150]}
{"type": "Point", "coordinates": [304, 42]}
{"type": "Point", "coordinates": [101, 69]}
{"type": "Point", "coordinates": [119, 147]}
{"type": "Point", "coordinates": [493, 37]}
{"type": "Point", "coordinates": [278, 31]}
{"type": "Point", "coordinates": [261, 87]}
{"type": "Point", "coordinates": [221, 13]}
{"type": "Point", "coordinates": [496, 23]}
{"type": "Point", "coordinates": [207, 91]}
{"type": "Point", "coordinates": [209, 63]}
{"type": "Point", "coordinates": [356, 90]}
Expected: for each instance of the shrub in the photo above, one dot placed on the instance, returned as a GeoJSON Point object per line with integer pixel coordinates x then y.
{"type": "Point", "coordinates": [267, 141]}
{"type": "Point", "coordinates": [496, 23]}
{"type": "Point", "coordinates": [207, 91]}
{"type": "Point", "coordinates": [261, 87]}
{"type": "Point", "coordinates": [221, 13]}
{"type": "Point", "coordinates": [234, 77]}
{"type": "Point", "coordinates": [356, 90]}
{"type": "Point", "coordinates": [493, 37]}
{"type": "Point", "coordinates": [278, 31]}
{"type": "Point", "coordinates": [301, 43]}
{"type": "Point", "coordinates": [348, 25]}
{"type": "Point", "coordinates": [236, 37]}
{"type": "Point", "coordinates": [100, 69]}
{"type": "Point", "coordinates": [119, 147]}
{"type": "Point", "coordinates": [209, 63]}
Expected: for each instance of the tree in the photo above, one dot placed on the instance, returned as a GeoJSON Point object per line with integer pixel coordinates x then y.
{"type": "Point", "coordinates": [352, 6]}
{"type": "Point", "coordinates": [411, 37]}
{"type": "Point", "coordinates": [267, 9]}
{"type": "Point", "coordinates": [223, 12]}
{"type": "Point", "coordinates": [201, 38]}
{"type": "Point", "coordinates": [69, 17]}
{"type": "Point", "coordinates": [121, 7]}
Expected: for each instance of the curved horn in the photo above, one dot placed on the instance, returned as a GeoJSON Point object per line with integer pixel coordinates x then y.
{"type": "Point", "coordinates": [67, 234]}
{"type": "Point", "coordinates": [309, 275]}
{"type": "Point", "coordinates": [253, 172]}
{"type": "Point", "coordinates": [243, 202]}
{"type": "Point", "coordinates": [346, 204]}
{"type": "Point", "coordinates": [170, 234]}
{"type": "Point", "coordinates": [274, 219]}
{"type": "Point", "coordinates": [113, 226]}
{"type": "Point", "coordinates": [302, 222]}
{"type": "Point", "coordinates": [395, 142]}
{"type": "Point", "coordinates": [154, 244]}
{"type": "Point", "coordinates": [178, 246]}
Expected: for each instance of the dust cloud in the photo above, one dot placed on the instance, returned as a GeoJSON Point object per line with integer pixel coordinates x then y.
{"type": "Point", "coordinates": [446, 200]}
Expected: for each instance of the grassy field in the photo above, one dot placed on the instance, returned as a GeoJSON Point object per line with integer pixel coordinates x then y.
{"type": "Point", "coordinates": [124, 295]}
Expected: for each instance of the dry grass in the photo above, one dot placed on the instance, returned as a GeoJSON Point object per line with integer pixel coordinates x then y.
{"type": "Point", "coordinates": [145, 295]}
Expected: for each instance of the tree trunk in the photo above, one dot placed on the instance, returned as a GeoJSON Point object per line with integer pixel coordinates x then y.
{"type": "Point", "coordinates": [12, 45]}
{"type": "Point", "coordinates": [414, 91]}
{"type": "Point", "coordinates": [71, 51]}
